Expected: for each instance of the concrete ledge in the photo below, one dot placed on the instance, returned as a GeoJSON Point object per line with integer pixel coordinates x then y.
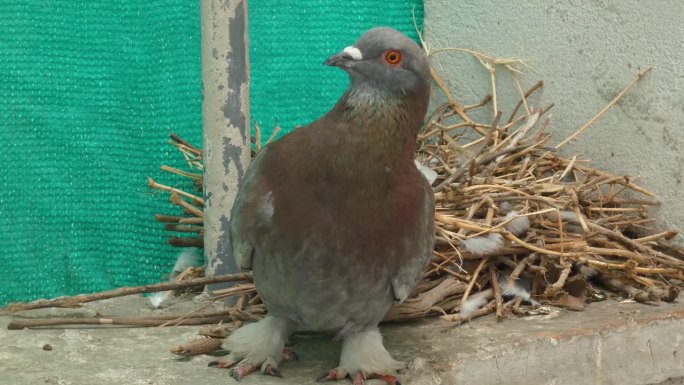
{"type": "Point", "coordinates": [609, 343]}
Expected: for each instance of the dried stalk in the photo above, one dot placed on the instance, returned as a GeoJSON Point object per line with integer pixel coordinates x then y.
{"type": "Point", "coordinates": [187, 145]}
{"type": "Point", "coordinates": [630, 291]}
{"type": "Point", "coordinates": [198, 347]}
{"type": "Point", "coordinates": [476, 274]}
{"type": "Point", "coordinates": [76, 301]}
{"type": "Point", "coordinates": [201, 319]}
{"type": "Point", "coordinates": [168, 218]}
{"type": "Point", "coordinates": [498, 299]}
{"type": "Point", "coordinates": [176, 200]}
{"type": "Point", "coordinates": [619, 96]}
{"type": "Point", "coordinates": [183, 228]}
{"type": "Point", "coordinates": [186, 242]}
{"type": "Point", "coordinates": [195, 199]}
{"type": "Point", "coordinates": [424, 304]}
{"type": "Point", "coordinates": [487, 309]}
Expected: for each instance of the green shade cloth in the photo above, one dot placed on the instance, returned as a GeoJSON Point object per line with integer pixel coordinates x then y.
{"type": "Point", "coordinates": [89, 93]}
{"type": "Point", "coordinates": [289, 40]}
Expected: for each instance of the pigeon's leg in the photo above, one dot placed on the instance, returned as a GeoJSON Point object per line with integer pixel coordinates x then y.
{"type": "Point", "coordinates": [257, 346]}
{"type": "Point", "coordinates": [364, 356]}
{"type": "Point", "coordinates": [288, 356]}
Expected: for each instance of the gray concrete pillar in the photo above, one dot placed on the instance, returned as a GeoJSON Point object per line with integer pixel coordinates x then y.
{"type": "Point", "coordinates": [225, 119]}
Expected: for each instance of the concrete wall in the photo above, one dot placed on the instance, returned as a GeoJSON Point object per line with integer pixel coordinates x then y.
{"type": "Point", "coordinates": [585, 51]}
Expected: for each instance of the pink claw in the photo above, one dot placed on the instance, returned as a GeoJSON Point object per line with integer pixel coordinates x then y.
{"type": "Point", "coordinates": [272, 371]}
{"type": "Point", "coordinates": [222, 364]}
{"type": "Point", "coordinates": [242, 370]}
{"type": "Point", "coordinates": [389, 379]}
{"type": "Point", "coordinates": [330, 375]}
{"type": "Point", "coordinates": [289, 355]}
{"type": "Point", "coordinates": [358, 379]}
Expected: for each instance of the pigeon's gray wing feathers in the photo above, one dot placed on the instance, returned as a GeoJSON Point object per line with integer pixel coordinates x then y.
{"type": "Point", "coordinates": [250, 214]}
{"type": "Point", "coordinates": [410, 272]}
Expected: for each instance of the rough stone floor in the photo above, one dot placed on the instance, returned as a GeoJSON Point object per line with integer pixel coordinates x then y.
{"type": "Point", "coordinates": [609, 343]}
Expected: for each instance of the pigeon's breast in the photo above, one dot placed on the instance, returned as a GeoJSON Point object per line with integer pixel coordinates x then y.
{"type": "Point", "coordinates": [334, 244]}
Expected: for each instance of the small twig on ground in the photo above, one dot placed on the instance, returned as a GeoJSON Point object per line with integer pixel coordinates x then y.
{"type": "Point", "coordinates": [198, 347]}
{"type": "Point", "coordinates": [76, 301]}
{"type": "Point", "coordinates": [628, 290]}
{"type": "Point", "coordinates": [199, 319]}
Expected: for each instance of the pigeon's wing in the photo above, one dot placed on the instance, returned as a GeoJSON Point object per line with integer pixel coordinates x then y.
{"type": "Point", "coordinates": [419, 252]}
{"type": "Point", "coordinates": [251, 213]}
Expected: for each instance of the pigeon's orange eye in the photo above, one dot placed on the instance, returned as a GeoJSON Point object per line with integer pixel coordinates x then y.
{"type": "Point", "coordinates": [393, 57]}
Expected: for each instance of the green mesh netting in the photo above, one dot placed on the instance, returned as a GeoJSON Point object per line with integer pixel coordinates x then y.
{"type": "Point", "coordinates": [289, 42]}
{"type": "Point", "coordinates": [90, 91]}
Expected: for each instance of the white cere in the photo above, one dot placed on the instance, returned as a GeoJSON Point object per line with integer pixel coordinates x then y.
{"type": "Point", "coordinates": [353, 53]}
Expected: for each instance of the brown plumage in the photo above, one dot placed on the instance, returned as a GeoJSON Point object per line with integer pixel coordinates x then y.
{"type": "Point", "coordinates": [335, 219]}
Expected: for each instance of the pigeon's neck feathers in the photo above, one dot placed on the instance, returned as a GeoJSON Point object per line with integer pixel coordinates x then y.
{"type": "Point", "coordinates": [375, 127]}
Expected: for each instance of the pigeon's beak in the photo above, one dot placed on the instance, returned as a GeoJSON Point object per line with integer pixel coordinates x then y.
{"type": "Point", "coordinates": [337, 60]}
{"type": "Point", "coordinates": [345, 59]}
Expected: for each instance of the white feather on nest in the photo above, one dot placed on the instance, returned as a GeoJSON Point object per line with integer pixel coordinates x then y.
{"type": "Point", "coordinates": [483, 244]}
{"type": "Point", "coordinates": [518, 225]}
{"type": "Point", "coordinates": [189, 257]}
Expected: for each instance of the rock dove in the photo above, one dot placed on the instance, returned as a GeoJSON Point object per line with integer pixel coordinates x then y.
{"type": "Point", "coordinates": [335, 220]}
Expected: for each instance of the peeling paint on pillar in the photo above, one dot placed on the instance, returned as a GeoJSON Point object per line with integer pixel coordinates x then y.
{"type": "Point", "coordinates": [237, 69]}
{"type": "Point", "coordinates": [231, 156]}
{"type": "Point", "coordinates": [225, 114]}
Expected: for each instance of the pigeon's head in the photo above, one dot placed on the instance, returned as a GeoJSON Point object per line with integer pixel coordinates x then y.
{"type": "Point", "coordinates": [385, 60]}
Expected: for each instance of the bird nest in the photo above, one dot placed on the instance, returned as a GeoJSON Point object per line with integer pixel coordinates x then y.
{"type": "Point", "coordinates": [520, 227]}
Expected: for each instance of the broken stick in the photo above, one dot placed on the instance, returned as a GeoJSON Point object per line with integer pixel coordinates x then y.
{"type": "Point", "coordinates": [76, 301]}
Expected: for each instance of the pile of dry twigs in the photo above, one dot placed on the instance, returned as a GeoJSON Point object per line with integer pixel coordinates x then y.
{"type": "Point", "coordinates": [517, 223]}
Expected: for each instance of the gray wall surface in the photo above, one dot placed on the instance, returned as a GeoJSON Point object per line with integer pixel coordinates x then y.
{"type": "Point", "coordinates": [586, 51]}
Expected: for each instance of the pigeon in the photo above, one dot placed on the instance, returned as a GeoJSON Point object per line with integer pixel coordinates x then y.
{"type": "Point", "coordinates": [335, 220]}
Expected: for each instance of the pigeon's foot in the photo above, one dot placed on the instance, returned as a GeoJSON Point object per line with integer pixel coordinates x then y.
{"type": "Point", "coordinates": [258, 346]}
{"type": "Point", "coordinates": [241, 369]}
{"type": "Point", "coordinates": [289, 355]}
{"type": "Point", "coordinates": [333, 375]}
{"type": "Point", "coordinates": [363, 352]}
{"type": "Point", "coordinates": [357, 378]}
